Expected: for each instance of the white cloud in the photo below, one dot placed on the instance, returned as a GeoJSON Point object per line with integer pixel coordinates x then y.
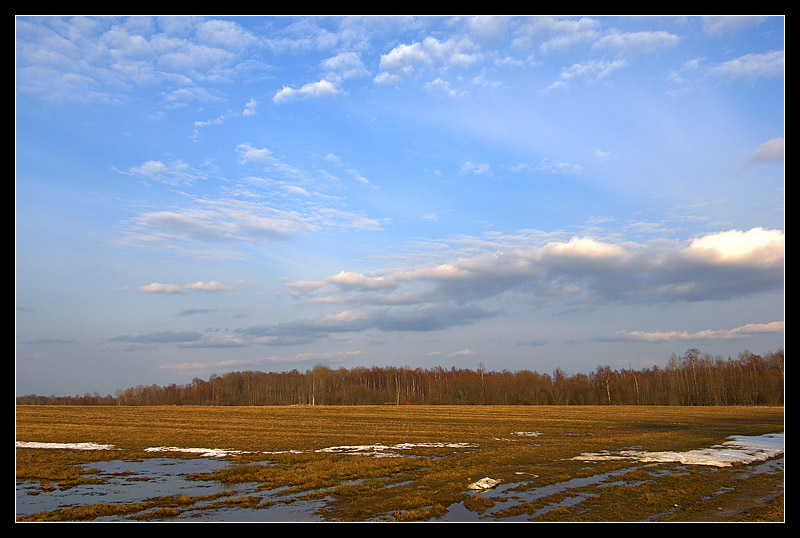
{"type": "Point", "coordinates": [581, 269]}
{"type": "Point", "coordinates": [630, 43]}
{"type": "Point", "coordinates": [251, 154]}
{"type": "Point", "coordinates": [312, 90]}
{"type": "Point", "coordinates": [224, 34]}
{"type": "Point", "coordinates": [173, 173]}
{"type": "Point", "coordinates": [478, 169]}
{"type": "Point", "coordinates": [720, 334]}
{"type": "Point", "coordinates": [558, 167]}
{"type": "Point", "coordinates": [344, 65]}
{"type": "Point", "coordinates": [156, 287]}
{"type": "Point", "coordinates": [360, 178]}
{"type": "Point", "coordinates": [149, 169]}
{"type": "Point", "coordinates": [405, 60]}
{"type": "Point", "coordinates": [212, 285]}
{"type": "Point", "coordinates": [585, 248]}
{"type": "Point", "coordinates": [441, 87]}
{"type": "Point", "coordinates": [461, 353]}
{"type": "Point", "coordinates": [751, 67]}
{"type": "Point", "coordinates": [753, 247]}
{"type": "Point", "coordinates": [771, 150]}
{"type": "Point", "coordinates": [487, 28]}
{"type": "Point", "coordinates": [555, 34]}
{"type": "Point", "coordinates": [724, 25]}
{"type": "Point", "coordinates": [592, 70]}
{"type": "Point", "coordinates": [250, 108]}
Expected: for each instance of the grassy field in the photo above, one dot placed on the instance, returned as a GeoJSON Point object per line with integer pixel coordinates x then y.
{"type": "Point", "coordinates": [440, 449]}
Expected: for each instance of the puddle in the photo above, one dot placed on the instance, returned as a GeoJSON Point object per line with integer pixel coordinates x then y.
{"type": "Point", "coordinates": [459, 513]}
{"type": "Point", "coordinates": [758, 454]}
{"type": "Point", "coordinates": [128, 481]}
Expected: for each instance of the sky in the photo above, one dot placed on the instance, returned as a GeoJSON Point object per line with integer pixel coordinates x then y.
{"type": "Point", "coordinates": [201, 195]}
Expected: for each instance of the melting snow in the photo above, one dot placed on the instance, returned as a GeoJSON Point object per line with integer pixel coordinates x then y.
{"type": "Point", "coordinates": [205, 452]}
{"type": "Point", "coordinates": [68, 446]}
{"type": "Point", "coordinates": [386, 451]}
{"type": "Point", "coordinates": [739, 449]}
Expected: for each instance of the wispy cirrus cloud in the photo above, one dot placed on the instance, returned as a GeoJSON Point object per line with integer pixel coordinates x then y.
{"type": "Point", "coordinates": [718, 26]}
{"type": "Point", "coordinates": [636, 43]}
{"type": "Point", "coordinates": [550, 34]}
{"type": "Point", "coordinates": [246, 212]}
{"type": "Point", "coordinates": [175, 172]}
{"type": "Point", "coordinates": [750, 67]}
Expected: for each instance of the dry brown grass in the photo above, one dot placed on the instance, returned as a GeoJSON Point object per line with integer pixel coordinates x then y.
{"type": "Point", "coordinates": [421, 487]}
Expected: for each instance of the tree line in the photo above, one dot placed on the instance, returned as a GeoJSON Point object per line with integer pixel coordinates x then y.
{"type": "Point", "coordinates": [691, 379]}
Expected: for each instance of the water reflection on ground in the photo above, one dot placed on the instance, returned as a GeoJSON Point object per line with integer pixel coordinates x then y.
{"type": "Point", "coordinates": [128, 481]}
{"type": "Point", "coordinates": [572, 492]}
{"type": "Point", "coordinates": [134, 481]}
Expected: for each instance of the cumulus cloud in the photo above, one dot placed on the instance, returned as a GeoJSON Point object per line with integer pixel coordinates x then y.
{"type": "Point", "coordinates": [487, 28]}
{"type": "Point", "coordinates": [100, 59]}
{"type": "Point", "coordinates": [250, 108]}
{"type": "Point", "coordinates": [345, 65]}
{"type": "Point", "coordinates": [312, 90]}
{"type": "Point", "coordinates": [224, 34]}
{"type": "Point", "coordinates": [157, 287]}
{"type": "Point", "coordinates": [406, 60]}
{"type": "Point", "coordinates": [581, 269]}
{"type": "Point", "coordinates": [212, 285]}
{"type": "Point", "coordinates": [756, 247]}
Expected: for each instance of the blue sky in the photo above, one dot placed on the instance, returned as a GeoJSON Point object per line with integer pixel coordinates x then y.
{"type": "Point", "coordinates": [197, 195]}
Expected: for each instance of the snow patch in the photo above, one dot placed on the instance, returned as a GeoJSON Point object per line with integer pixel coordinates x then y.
{"type": "Point", "coordinates": [204, 452]}
{"type": "Point", "coordinates": [67, 446]}
{"type": "Point", "coordinates": [388, 451]}
{"type": "Point", "coordinates": [739, 449]}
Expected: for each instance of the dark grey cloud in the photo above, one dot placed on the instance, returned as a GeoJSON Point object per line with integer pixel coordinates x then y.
{"type": "Point", "coordinates": [193, 311]}
{"type": "Point", "coordinates": [582, 270]}
{"type": "Point", "coordinates": [162, 337]}
{"type": "Point", "coordinates": [302, 331]}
